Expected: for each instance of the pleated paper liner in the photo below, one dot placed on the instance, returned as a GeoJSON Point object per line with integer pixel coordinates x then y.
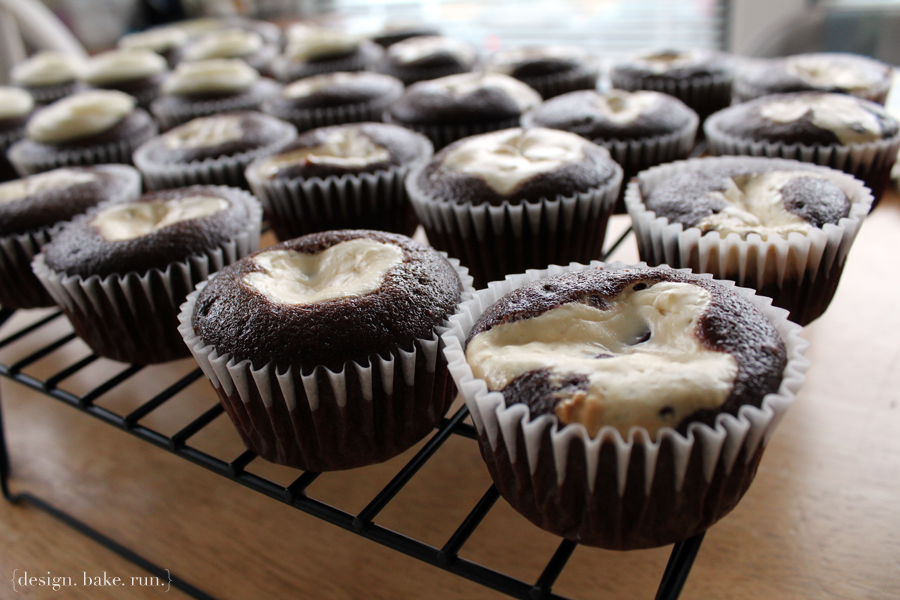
{"type": "Point", "coordinates": [609, 491]}
{"type": "Point", "coordinates": [170, 115]}
{"type": "Point", "coordinates": [550, 86]}
{"type": "Point", "coordinates": [800, 273]}
{"type": "Point", "coordinates": [317, 419]}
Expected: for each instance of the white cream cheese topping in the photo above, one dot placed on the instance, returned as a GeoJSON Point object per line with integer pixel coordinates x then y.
{"type": "Point", "coordinates": [229, 43]}
{"type": "Point", "coordinates": [159, 39]}
{"type": "Point", "coordinates": [506, 61]}
{"type": "Point", "coordinates": [218, 75]}
{"type": "Point", "coordinates": [344, 147]}
{"type": "Point", "coordinates": [843, 115]}
{"type": "Point", "coordinates": [310, 85]}
{"type": "Point", "coordinates": [653, 373]}
{"type": "Point", "coordinates": [660, 62]}
{"type": "Point", "coordinates": [828, 72]}
{"type": "Point", "coordinates": [417, 48]}
{"type": "Point", "coordinates": [46, 68]}
{"type": "Point", "coordinates": [15, 103]}
{"type": "Point", "coordinates": [348, 269]}
{"type": "Point", "coordinates": [204, 132]}
{"type": "Point", "coordinates": [504, 159]}
{"type": "Point", "coordinates": [42, 182]}
{"type": "Point", "coordinates": [622, 107]}
{"type": "Point", "coordinates": [122, 65]}
{"type": "Point", "coordinates": [463, 84]}
{"type": "Point", "coordinates": [756, 205]}
{"type": "Point", "coordinates": [317, 43]}
{"type": "Point", "coordinates": [79, 115]}
{"type": "Point", "coordinates": [135, 219]}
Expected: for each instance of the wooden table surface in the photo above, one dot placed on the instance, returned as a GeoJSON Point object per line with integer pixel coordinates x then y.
{"type": "Point", "coordinates": [822, 519]}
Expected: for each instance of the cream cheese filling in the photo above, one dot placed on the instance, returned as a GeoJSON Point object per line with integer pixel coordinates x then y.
{"type": "Point", "coordinates": [135, 219]}
{"type": "Point", "coordinates": [229, 43]}
{"type": "Point", "coordinates": [344, 147]}
{"type": "Point", "coordinates": [348, 269]}
{"type": "Point", "coordinates": [43, 182]}
{"type": "Point", "coordinates": [159, 39]}
{"type": "Point", "coordinates": [315, 43]}
{"type": "Point", "coordinates": [122, 65]}
{"type": "Point", "coordinates": [504, 159]}
{"type": "Point", "coordinates": [840, 114]}
{"type": "Point", "coordinates": [46, 68]}
{"type": "Point", "coordinates": [620, 106]}
{"type": "Point", "coordinates": [204, 132]}
{"type": "Point", "coordinates": [15, 103]}
{"type": "Point", "coordinates": [418, 48]}
{"type": "Point", "coordinates": [644, 364]}
{"type": "Point", "coordinates": [660, 62]}
{"type": "Point", "coordinates": [79, 115]}
{"type": "Point", "coordinates": [219, 75]}
{"type": "Point", "coordinates": [460, 86]}
{"type": "Point", "coordinates": [823, 72]}
{"type": "Point", "coordinates": [310, 85]}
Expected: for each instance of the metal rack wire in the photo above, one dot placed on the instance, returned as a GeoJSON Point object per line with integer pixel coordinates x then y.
{"type": "Point", "coordinates": [295, 494]}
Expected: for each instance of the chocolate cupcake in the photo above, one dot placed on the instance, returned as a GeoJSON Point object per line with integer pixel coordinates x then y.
{"type": "Point", "coordinates": [640, 129]}
{"type": "Point", "coordinates": [842, 132]}
{"type": "Point", "coordinates": [165, 41]}
{"type": "Point", "coordinates": [303, 344]}
{"type": "Point", "coordinates": [392, 33]}
{"type": "Point", "coordinates": [431, 57]}
{"type": "Point", "coordinates": [87, 128]}
{"type": "Point", "coordinates": [209, 87]}
{"type": "Point", "coordinates": [340, 177]}
{"type": "Point", "coordinates": [211, 150]}
{"type": "Point", "coordinates": [31, 210]}
{"type": "Point", "coordinates": [313, 51]}
{"type": "Point", "coordinates": [138, 73]}
{"type": "Point", "coordinates": [551, 70]}
{"type": "Point", "coordinates": [834, 72]}
{"type": "Point", "coordinates": [623, 407]}
{"type": "Point", "coordinates": [121, 271]}
{"type": "Point", "coordinates": [781, 227]}
{"type": "Point", "coordinates": [451, 108]}
{"type": "Point", "coordinates": [512, 200]}
{"type": "Point", "coordinates": [248, 46]}
{"type": "Point", "coordinates": [333, 99]}
{"type": "Point", "coordinates": [16, 105]}
{"type": "Point", "coordinates": [48, 76]}
{"type": "Point", "coordinates": [700, 78]}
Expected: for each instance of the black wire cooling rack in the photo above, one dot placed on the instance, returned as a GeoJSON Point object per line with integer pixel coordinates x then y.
{"type": "Point", "coordinates": [295, 495]}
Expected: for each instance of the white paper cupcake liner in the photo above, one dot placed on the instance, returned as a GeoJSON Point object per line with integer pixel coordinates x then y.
{"type": "Point", "coordinates": [134, 317]}
{"type": "Point", "coordinates": [800, 273]}
{"type": "Point", "coordinates": [494, 241]}
{"type": "Point", "coordinates": [318, 419]}
{"type": "Point", "coordinates": [171, 115]}
{"type": "Point", "coordinates": [306, 119]}
{"type": "Point", "coordinates": [222, 170]}
{"type": "Point", "coordinates": [705, 95]}
{"type": "Point", "coordinates": [869, 161]}
{"type": "Point", "coordinates": [610, 491]}
{"type": "Point", "coordinates": [378, 200]}
{"type": "Point", "coordinates": [550, 86]}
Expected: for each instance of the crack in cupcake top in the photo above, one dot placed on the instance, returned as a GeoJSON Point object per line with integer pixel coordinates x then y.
{"type": "Point", "coordinates": [347, 269]}
{"type": "Point", "coordinates": [210, 76]}
{"type": "Point", "coordinates": [228, 43]}
{"type": "Point", "coordinates": [204, 132]}
{"type": "Point", "coordinates": [46, 68]}
{"type": "Point", "coordinates": [79, 115]}
{"type": "Point", "coordinates": [159, 39]}
{"type": "Point", "coordinates": [844, 115]}
{"type": "Point", "coordinates": [122, 65]}
{"type": "Point", "coordinates": [136, 219]}
{"type": "Point", "coordinates": [342, 147]}
{"type": "Point", "coordinates": [15, 103]}
{"type": "Point", "coordinates": [418, 49]}
{"type": "Point", "coordinates": [43, 182]}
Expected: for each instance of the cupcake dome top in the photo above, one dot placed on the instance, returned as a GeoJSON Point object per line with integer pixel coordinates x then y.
{"type": "Point", "coordinates": [15, 103]}
{"type": "Point", "coordinates": [122, 65]}
{"type": "Point", "coordinates": [78, 116]}
{"type": "Point", "coordinates": [535, 61]}
{"type": "Point", "coordinates": [337, 89]}
{"type": "Point", "coordinates": [227, 43]}
{"type": "Point", "coordinates": [210, 77]}
{"type": "Point", "coordinates": [432, 51]}
{"type": "Point", "coordinates": [46, 68]}
{"type": "Point", "coordinates": [672, 63]}
{"type": "Point", "coordinates": [158, 39]}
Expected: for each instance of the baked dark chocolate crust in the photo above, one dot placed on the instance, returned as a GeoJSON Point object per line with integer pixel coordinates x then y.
{"type": "Point", "coordinates": [403, 146]}
{"type": "Point", "coordinates": [362, 88]}
{"type": "Point", "coordinates": [690, 197]}
{"type": "Point", "coordinates": [774, 77]}
{"type": "Point", "coordinates": [439, 58]}
{"type": "Point", "coordinates": [49, 207]}
{"type": "Point", "coordinates": [424, 103]}
{"type": "Point", "coordinates": [391, 35]}
{"type": "Point", "coordinates": [730, 324]}
{"type": "Point", "coordinates": [595, 170]}
{"type": "Point", "coordinates": [576, 112]}
{"type": "Point", "coordinates": [745, 121]}
{"type": "Point", "coordinates": [415, 297]}
{"type": "Point", "coordinates": [80, 250]}
{"type": "Point", "coordinates": [706, 64]}
{"type": "Point", "coordinates": [257, 130]}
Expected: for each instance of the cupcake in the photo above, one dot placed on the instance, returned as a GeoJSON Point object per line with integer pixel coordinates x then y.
{"type": "Point", "coordinates": [312, 51]}
{"type": "Point", "coordinates": [47, 76]}
{"type": "Point", "coordinates": [196, 28]}
{"type": "Point", "coordinates": [699, 78]}
{"type": "Point", "coordinates": [138, 73]}
{"type": "Point", "coordinates": [16, 105]}
{"type": "Point", "coordinates": [512, 200]}
{"type": "Point", "coordinates": [431, 57]}
{"type": "Point", "coordinates": [820, 72]}
{"type": "Point", "coordinates": [640, 129]}
{"type": "Point", "coordinates": [164, 41]}
{"type": "Point", "coordinates": [31, 210]}
{"type": "Point", "coordinates": [121, 271]}
{"type": "Point", "coordinates": [306, 349]}
{"type": "Point", "coordinates": [340, 177]}
{"type": "Point", "coordinates": [842, 132]}
{"type": "Point", "coordinates": [782, 227]}
{"type": "Point", "coordinates": [392, 33]}
{"type": "Point", "coordinates": [551, 70]}
{"type": "Point", "coordinates": [451, 108]}
{"type": "Point", "coordinates": [209, 87]}
{"type": "Point", "coordinates": [333, 99]}
{"type": "Point", "coordinates": [623, 407]}
{"type": "Point", "coordinates": [248, 46]}
{"type": "Point", "coordinates": [87, 128]}
{"type": "Point", "coordinates": [211, 150]}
